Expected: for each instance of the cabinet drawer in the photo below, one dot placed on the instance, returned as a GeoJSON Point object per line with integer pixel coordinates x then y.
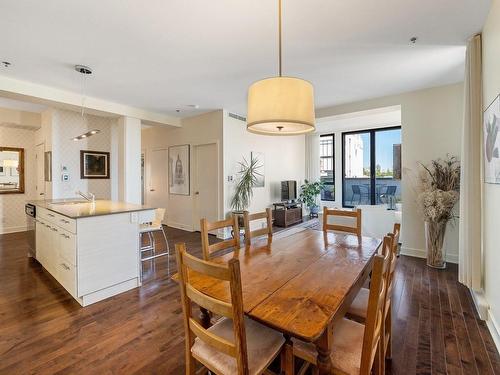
{"type": "Point", "coordinates": [67, 246]}
{"type": "Point", "coordinates": [54, 218]}
{"type": "Point", "coordinates": [66, 223]}
{"type": "Point", "coordinates": [66, 275]}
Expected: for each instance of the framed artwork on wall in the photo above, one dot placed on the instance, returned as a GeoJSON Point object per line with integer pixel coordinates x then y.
{"type": "Point", "coordinates": [261, 178]}
{"type": "Point", "coordinates": [94, 164]}
{"type": "Point", "coordinates": [2, 170]}
{"type": "Point", "coordinates": [179, 170]}
{"type": "Point", "coordinates": [491, 143]}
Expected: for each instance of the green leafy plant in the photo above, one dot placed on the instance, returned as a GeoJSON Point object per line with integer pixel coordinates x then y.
{"type": "Point", "coordinates": [309, 193]}
{"type": "Point", "coordinates": [247, 178]}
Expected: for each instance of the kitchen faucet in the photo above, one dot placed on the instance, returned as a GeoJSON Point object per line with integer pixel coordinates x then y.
{"type": "Point", "coordinates": [88, 196]}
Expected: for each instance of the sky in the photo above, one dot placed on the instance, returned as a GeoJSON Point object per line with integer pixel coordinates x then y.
{"type": "Point", "coordinates": [383, 146]}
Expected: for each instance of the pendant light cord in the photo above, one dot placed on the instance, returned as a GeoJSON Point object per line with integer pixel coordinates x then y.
{"type": "Point", "coordinates": [279, 35]}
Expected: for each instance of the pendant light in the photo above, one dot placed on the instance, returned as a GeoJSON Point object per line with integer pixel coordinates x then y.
{"type": "Point", "coordinates": [280, 105]}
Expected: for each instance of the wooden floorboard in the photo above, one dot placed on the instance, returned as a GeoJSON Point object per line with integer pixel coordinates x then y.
{"type": "Point", "coordinates": [44, 331]}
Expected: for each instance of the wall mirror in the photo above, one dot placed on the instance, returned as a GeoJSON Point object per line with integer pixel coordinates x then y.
{"type": "Point", "coordinates": [11, 170]}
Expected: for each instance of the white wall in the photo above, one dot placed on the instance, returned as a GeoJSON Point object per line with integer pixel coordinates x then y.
{"type": "Point", "coordinates": [12, 217]}
{"type": "Point", "coordinates": [58, 129]}
{"type": "Point", "coordinates": [431, 128]}
{"type": "Point", "coordinates": [197, 130]}
{"type": "Point", "coordinates": [129, 160]}
{"type": "Point", "coordinates": [284, 160]}
{"type": "Point", "coordinates": [491, 197]}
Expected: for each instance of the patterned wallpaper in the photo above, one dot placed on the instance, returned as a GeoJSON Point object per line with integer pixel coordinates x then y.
{"type": "Point", "coordinates": [66, 152]}
{"type": "Point", "coordinates": [12, 217]}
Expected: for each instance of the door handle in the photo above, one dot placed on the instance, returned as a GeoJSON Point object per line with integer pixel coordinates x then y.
{"type": "Point", "coordinates": [151, 189]}
{"type": "Point", "coordinates": [196, 193]}
{"type": "Point", "coordinates": [42, 194]}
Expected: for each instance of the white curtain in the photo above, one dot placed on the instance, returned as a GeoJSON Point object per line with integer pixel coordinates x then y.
{"type": "Point", "coordinates": [470, 191]}
{"type": "Point", "coordinates": [312, 157]}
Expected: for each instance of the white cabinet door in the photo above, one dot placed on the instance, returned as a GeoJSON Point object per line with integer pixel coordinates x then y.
{"type": "Point", "coordinates": [41, 250]}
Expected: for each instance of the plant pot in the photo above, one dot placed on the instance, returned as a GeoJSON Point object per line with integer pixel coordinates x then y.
{"type": "Point", "coordinates": [314, 211]}
{"type": "Point", "coordinates": [434, 243]}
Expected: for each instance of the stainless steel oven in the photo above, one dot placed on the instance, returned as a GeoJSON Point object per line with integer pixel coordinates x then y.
{"type": "Point", "coordinates": [30, 211]}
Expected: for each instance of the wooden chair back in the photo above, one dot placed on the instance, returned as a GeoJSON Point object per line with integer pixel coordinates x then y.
{"type": "Point", "coordinates": [342, 213]}
{"type": "Point", "coordinates": [394, 256]}
{"type": "Point", "coordinates": [376, 306]}
{"type": "Point", "coordinates": [267, 230]}
{"type": "Point", "coordinates": [232, 310]}
{"type": "Point", "coordinates": [206, 227]}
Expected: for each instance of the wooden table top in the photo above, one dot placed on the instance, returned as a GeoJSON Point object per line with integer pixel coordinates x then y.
{"type": "Point", "coordinates": [300, 283]}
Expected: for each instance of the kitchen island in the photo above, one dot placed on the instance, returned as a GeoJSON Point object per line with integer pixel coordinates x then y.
{"type": "Point", "coordinates": [90, 248]}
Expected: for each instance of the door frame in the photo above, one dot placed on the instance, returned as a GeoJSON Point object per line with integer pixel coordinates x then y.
{"type": "Point", "coordinates": [373, 161]}
{"type": "Point", "coordinates": [43, 158]}
{"type": "Point", "coordinates": [195, 181]}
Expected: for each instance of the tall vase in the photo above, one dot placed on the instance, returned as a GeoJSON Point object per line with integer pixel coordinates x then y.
{"type": "Point", "coordinates": [434, 242]}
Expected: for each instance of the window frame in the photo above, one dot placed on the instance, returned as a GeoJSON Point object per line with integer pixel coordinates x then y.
{"type": "Point", "coordinates": [373, 161]}
{"type": "Point", "coordinates": [333, 166]}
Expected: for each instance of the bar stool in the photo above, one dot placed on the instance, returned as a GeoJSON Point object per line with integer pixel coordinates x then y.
{"type": "Point", "coordinates": [148, 229]}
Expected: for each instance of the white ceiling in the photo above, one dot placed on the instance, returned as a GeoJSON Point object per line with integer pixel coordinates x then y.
{"type": "Point", "coordinates": [161, 55]}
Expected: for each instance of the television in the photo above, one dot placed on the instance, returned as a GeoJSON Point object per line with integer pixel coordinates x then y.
{"type": "Point", "coordinates": [288, 190]}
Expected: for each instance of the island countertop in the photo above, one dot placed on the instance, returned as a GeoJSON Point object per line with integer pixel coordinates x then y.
{"type": "Point", "coordinates": [76, 208]}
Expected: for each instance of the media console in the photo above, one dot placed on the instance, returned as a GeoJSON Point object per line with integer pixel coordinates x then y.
{"type": "Point", "coordinates": [286, 214]}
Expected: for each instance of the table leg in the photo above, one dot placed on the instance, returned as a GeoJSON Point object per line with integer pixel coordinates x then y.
{"type": "Point", "coordinates": [324, 348]}
{"type": "Point", "coordinates": [287, 360]}
{"type": "Point", "coordinates": [205, 317]}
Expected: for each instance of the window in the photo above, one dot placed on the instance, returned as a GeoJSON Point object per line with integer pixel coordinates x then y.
{"type": "Point", "coordinates": [371, 166]}
{"type": "Point", "coordinates": [327, 166]}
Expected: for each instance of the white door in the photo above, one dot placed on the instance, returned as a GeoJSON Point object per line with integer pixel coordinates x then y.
{"type": "Point", "coordinates": [206, 179]}
{"type": "Point", "coordinates": [40, 172]}
{"type": "Point", "coordinates": [157, 193]}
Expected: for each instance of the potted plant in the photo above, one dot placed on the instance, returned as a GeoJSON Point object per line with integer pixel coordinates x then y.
{"type": "Point", "coordinates": [439, 185]}
{"type": "Point", "coordinates": [243, 192]}
{"type": "Point", "coordinates": [309, 193]}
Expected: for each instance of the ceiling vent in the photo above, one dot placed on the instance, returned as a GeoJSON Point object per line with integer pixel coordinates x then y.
{"type": "Point", "coordinates": [237, 117]}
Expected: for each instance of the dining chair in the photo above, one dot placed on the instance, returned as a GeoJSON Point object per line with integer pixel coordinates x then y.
{"type": "Point", "coordinates": [149, 229]}
{"type": "Point", "coordinates": [266, 230]}
{"type": "Point", "coordinates": [206, 227]}
{"type": "Point", "coordinates": [356, 190]}
{"type": "Point", "coordinates": [356, 347]}
{"type": "Point", "coordinates": [359, 307]}
{"type": "Point", "coordinates": [356, 229]}
{"type": "Point", "coordinates": [234, 344]}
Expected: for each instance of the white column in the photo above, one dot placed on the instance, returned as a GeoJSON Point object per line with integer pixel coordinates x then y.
{"type": "Point", "coordinates": [129, 160]}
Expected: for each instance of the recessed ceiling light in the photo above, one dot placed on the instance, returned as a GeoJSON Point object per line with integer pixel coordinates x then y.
{"type": "Point", "coordinates": [413, 40]}
{"type": "Point", "coordinates": [6, 64]}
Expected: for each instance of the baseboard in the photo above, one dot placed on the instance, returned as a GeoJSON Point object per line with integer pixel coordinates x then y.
{"type": "Point", "coordinates": [494, 329]}
{"type": "Point", "coordinates": [420, 253]}
{"type": "Point", "coordinates": [181, 226]}
{"type": "Point", "coordinates": [5, 230]}
{"type": "Point", "coordinates": [480, 303]}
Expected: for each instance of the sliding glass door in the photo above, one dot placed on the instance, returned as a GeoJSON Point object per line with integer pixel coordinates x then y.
{"type": "Point", "coordinates": [371, 166]}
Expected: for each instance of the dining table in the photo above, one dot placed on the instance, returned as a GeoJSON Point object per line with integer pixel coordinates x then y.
{"type": "Point", "coordinates": [299, 284]}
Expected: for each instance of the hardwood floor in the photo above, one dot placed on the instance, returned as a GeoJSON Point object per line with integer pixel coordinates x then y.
{"type": "Point", "coordinates": [44, 331]}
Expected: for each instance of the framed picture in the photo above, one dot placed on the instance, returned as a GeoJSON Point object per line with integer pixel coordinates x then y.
{"type": "Point", "coordinates": [2, 170]}
{"type": "Point", "coordinates": [178, 170]}
{"type": "Point", "coordinates": [261, 161]}
{"type": "Point", "coordinates": [94, 164]}
{"type": "Point", "coordinates": [491, 143]}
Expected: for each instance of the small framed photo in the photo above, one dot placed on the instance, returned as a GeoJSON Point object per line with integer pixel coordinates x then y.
{"type": "Point", "coordinates": [2, 170]}
{"type": "Point", "coordinates": [94, 164]}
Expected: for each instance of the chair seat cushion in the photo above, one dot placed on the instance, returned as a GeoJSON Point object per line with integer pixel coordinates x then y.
{"type": "Point", "coordinates": [263, 344]}
{"type": "Point", "coordinates": [346, 347]}
{"type": "Point", "coordinates": [359, 306]}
